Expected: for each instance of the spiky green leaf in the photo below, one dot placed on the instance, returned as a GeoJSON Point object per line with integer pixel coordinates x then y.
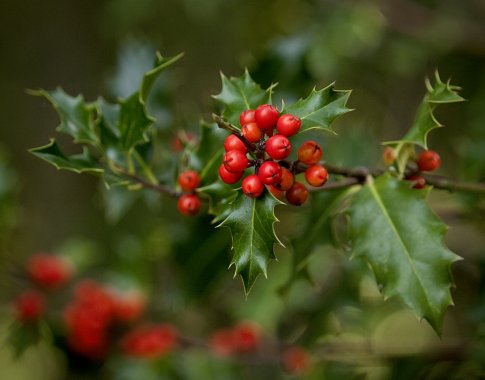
{"type": "Point", "coordinates": [239, 94]}
{"type": "Point", "coordinates": [425, 121]}
{"type": "Point", "coordinates": [79, 163]}
{"type": "Point", "coordinates": [77, 118]}
{"type": "Point", "coordinates": [393, 228]}
{"type": "Point", "coordinates": [221, 196]}
{"type": "Point", "coordinates": [251, 223]}
{"type": "Point", "coordinates": [320, 109]}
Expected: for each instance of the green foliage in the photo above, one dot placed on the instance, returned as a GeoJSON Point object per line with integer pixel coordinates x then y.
{"type": "Point", "coordinates": [239, 94]}
{"type": "Point", "coordinates": [253, 237]}
{"type": "Point", "coordinates": [320, 109]}
{"type": "Point", "coordinates": [402, 239]}
{"type": "Point", "coordinates": [425, 121]}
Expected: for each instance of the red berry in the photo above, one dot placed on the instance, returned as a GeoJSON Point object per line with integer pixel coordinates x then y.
{"type": "Point", "coordinates": [297, 194]}
{"type": "Point", "coordinates": [49, 271]}
{"type": "Point", "coordinates": [287, 180]}
{"type": "Point", "coordinates": [309, 152]}
{"type": "Point", "coordinates": [149, 341]}
{"type": "Point", "coordinates": [235, 161]}
{"type": "Point", "coordinates": [296, 359]}
{"type": "Point", "coordinates": [247, 336]}
{"type": "Point", "coordinates": [189, 204]}
{"type": "Point", "coordinates": [189, 180]}
{"type": "Point", "coordinates": [246, 117]}
{"type": "Point", "coordinates": [229, 177]}
{"type": "Point", "coordinates": [288, 125]}
{"type": "Point", "coordinates": [277, 193]}
{"type": "Point", "coordinates": [252, 186]}
{"type": "Point", "coordinates": [222, 342]}
{"type": "Point", "coordinates": [232, 142]}
{"type": "Point", "coordinates": [30, 306]}
{"type": "Point", "coordinates": [278, 147]}
{"type": "Point", "coordinates": [252, 132]}
{"type": "Point", "coordinates": [316, 175]}
{"type": "Point", "coordinates": [266, 116]}
{"type": "Point", "coordinates": [419, 181]}
{"type": "Point", "coordinates": [389, 155]}
{"type": "Point", "coordinates": [429, 161]}
{"type": "Point", "coordinates": [269, 172]}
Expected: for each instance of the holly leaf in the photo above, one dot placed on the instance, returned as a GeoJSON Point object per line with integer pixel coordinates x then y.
{"type": "Point", "coordinates": [425, 121]}
{"type": "Point", "coordinates": [133, 119]}
{"type": "Point", "coordinates": [77, 118]}
{"type": "Point", "coordinates": [320, 109]}
{"type": "Point", "coordinates": [393, 228]}
{"type": "Point", "coordinates": [251, 223]}
{"type": "Point", "coordinates": [239, 94]}
{"type": "Point", "coordinates": [78, 163]}
{"type": "Point", "coordinates": [221, 196]}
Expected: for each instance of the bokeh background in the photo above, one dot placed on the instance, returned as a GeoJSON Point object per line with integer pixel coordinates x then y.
{"type": "Point", "coordinates": [382, 50]}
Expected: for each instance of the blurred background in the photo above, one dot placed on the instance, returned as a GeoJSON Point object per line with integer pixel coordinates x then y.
{"type": "Point", "coordinates": [382, 50]}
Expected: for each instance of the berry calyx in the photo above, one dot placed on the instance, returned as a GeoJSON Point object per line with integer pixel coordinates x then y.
{"type": "Point", "coordinates": [232, 142]}
{"type": "Point", "coordinates": [270, 173]}
{"type": "Point", "coordinates": [316, 175]}
{"type": "Point", "coordinates": [189, 180]}
{"type": "Point", "coordinates": [297, 194]}
{"type": "Point", "coordinates": [251, 132]}
{"type": "Point", "coordinates": [287, 180]}
{"type": "Point", "coordinates": [189, 204]}
{"type": "Point", "coordinates": [247, 116]}
{"type": "Point", "coordinates": [278, 147]}
{"type": "Point", "coordinates": [288, 125]}
{"type": "Point", "coordinates": [228, 177]}
{"type": "Point", "coordinates": [266, 116]}
{"type": "Point", "coordinates": [429, 161]}
{"type": "Point", "coordinates": [309, 152]}
{"type": "Point", "coordinates": [235, 161]}
{"type": "Point", "coordinates": [252, 186]}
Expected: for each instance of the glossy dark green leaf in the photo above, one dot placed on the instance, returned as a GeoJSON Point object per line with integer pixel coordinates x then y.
{"type": "Point", "coordinates": [79, 163]}
{"type": "Point", "coordinates": [253, 237]}
{"type": "Point", "coordinates": [221, 195]}
{"type": "Point", "coordinates": [78, 118]}
{"type": "Point", "coordinates": [239, 94]}
{"type": "Point", "coordinates": [393, 228]}
{"type": "Point", "coordinates": [320, 109]}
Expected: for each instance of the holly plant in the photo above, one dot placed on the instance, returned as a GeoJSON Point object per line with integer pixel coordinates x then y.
{"type": "Point", "coordinates": [256, 157]}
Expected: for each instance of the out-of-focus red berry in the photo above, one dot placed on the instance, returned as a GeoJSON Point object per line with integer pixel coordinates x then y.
{"type": "Point", "coordinates": [49, 271]}
{"type": "Point", "coordinates": [149, 341]}
{"type": "Point", "coordinates": [223, 342]}
{"type": "Point", "coordinates": [30, 306]}
{"type": "Point", "coordinates": [296, 360]}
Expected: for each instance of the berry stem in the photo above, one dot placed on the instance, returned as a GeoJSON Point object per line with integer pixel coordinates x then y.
{"type": "Point", "coordinates": [221, 123]}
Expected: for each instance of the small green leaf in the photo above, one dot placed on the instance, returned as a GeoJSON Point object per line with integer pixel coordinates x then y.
{"type": "Point", "coordinates": [133, 120]}
{"type": "Point", "coordinates": [402, 239]}
{"type": "Point", "coordinates": [425, 121]}
{"type": "Point", "coordinates": [78, 119]}
{"type": "Point", "coordinates": [320, 109]}
{"type": "Point", "coordinates": [251, 223]}
{"type": "Point", "coordinates": [221, 196]}
{"type": "Point", "coordinates": [79, 163]}
{"type": "Point", "coordinates": [239, 94]}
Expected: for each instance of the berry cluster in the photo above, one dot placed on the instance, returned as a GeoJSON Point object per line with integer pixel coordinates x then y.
{"type": "Point", "coordinates": [189, 203]}
{"type": "Point", "coordinates": [427, 161]}
{"type": "Point", "coordinates": [268, 152]}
